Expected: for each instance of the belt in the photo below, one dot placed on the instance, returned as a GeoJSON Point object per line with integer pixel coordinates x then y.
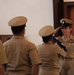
{"type": "Point", "coordinates": [69, 58]}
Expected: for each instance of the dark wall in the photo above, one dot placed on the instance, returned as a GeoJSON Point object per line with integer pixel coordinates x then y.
{"type": "Point", "coordinates": [58, 8]}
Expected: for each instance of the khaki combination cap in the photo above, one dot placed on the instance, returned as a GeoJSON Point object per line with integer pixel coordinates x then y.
{"type": "Point", "coordinates": [46, 31]}
{"type": "Point", "coordinates": [17, 21]}
{"type": "Point", "coordinates": [66, 22]}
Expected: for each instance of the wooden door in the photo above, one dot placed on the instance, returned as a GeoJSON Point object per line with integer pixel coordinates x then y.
{"type": "Point", "coordinates": [72, 17]}
{"type": "Point", "coordinates": [4, 38]}
{"type": "Point", "coordinates": [69, 12]}
{"type": "Point", "coordinates": [58, 13]}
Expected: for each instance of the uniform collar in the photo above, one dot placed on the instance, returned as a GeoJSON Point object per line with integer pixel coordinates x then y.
{"type": "Point", "coordinates": [48, 43]}
{"type": "Point", "coordinates": [17, 37]}
{"type": "Point", "coordinates": [71, 38]}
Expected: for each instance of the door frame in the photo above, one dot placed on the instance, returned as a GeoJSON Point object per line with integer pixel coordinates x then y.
{"type": "Point", "coordinates": [58, 13]}
{"type": "Point", "coordinates": [66, 8]}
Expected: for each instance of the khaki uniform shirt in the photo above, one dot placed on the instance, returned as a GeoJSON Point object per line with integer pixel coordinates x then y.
{"type": "Point", "coordinates": [68, 65]}
{"type": "Point", "coordinates": [50, 58]}
{"type": "Point", "coordinates": [3, 59]}
{"type": "Point", "coordinates": [21, 55]}
{"type": "Point", "coordinates": [69, 45]}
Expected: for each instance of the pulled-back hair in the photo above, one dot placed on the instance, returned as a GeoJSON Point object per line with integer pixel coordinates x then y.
{"type": "Point", "coordinates": [46, 38]}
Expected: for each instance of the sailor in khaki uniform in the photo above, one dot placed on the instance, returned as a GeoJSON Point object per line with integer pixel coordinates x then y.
{"type": "Point", "coordinates": [49, 52]}
{"type": "Point", "coordinates": [3, 59]}
{"type": "Point", "coordinates": [68, 40]}
{"type": "Point", "coordinates": [23, 58]}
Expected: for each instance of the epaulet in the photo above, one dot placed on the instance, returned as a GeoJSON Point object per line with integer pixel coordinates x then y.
{"type": "Point", "coordinates": [72, 39]}
{"type": "Point", "coordinates": [72, 36]}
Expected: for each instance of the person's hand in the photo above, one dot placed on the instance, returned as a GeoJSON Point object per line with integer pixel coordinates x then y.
{"type": "Point", "coordinates": [56, 30]}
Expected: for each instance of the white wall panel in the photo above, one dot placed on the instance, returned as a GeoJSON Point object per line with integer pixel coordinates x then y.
{"type": "Point", "coordinates": [38, 12]}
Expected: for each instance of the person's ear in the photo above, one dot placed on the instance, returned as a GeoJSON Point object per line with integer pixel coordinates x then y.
{"type": "Point", "coordinates": [24, 30]}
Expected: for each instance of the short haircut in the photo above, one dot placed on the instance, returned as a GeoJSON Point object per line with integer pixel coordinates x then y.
{"type": "Point", "coordinates": [16, 30]}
